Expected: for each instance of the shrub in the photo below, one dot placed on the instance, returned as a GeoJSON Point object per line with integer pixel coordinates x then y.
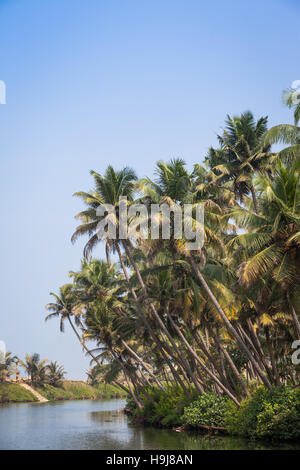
{"type": "Point", "coordinates": [162, 408]}
{"type": "Point", "coordinates": [268, 414]}
{"type": "Point", "coordinates": [207, 410]}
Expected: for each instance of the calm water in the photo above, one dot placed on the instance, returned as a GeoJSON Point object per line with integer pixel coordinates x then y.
{"type": "Point", "coordinates": [97, 425]}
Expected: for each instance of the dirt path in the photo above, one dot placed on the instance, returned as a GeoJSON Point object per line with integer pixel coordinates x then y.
{"type": "Point", "coordinates": [40, 398]}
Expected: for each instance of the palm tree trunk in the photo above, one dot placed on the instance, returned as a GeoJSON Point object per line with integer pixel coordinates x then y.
{"type": "Point", "coordinates": [144, 319]}
{"type": "Point", "coordinates": [128, 379]}
{"type": "Point", "coordinates": [98, 363]}
{"type": "Point", "coordinates": [254, 199]}
{"type": "Point", "coordinates": [82, 342]}
{"type": "Point", "coordinates": [215, 368]}
{"type": "Point", "coordinates": [143, 364]}
{"type": "Point", "coordinates": [228, 325]}
{"type": "Point", "coordinates": [207, 370]}
{"type": "Point", "coordinates": [150, 303]}
{"type": "Point", "coordinates": [272, 358]}
{"type": "Point", "coordinates": [296, 321]}
{"type": "Point", "coordinates": [259, 355]}
{"type": "Point", "coordinates": [230, 361]}
{"type": "Point", "coordinates": [118, 384]}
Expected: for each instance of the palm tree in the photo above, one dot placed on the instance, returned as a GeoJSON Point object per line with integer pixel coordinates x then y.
{"type": "Point", "coordinates": [108, 190]}
{"type": "Point", "coordinates": [289, 96]}
{"type": "Point", "coordinates": [93, 376]}
{"type": "Point", "coordinates": [288, 134]}
{"type": "Point", "coordinates": [55, 373]}
{"type": "Point", "coordinates": [6, 366]}
{"type": "Point", "coordinates": [272, 244]}
{"type": "Point", "coordinates": [211, 235]}
{"type": "Point", "coordinates": [67, 305]}
{"type": "Point", "coordinates": [35, 368]}
{"type": "Point", "coordinates": [243, 153]}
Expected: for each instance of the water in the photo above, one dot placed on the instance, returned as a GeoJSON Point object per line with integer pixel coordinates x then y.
{"type": "Point", "coordinates": [98, 425]}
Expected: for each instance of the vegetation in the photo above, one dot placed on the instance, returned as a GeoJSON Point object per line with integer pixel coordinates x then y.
{"type": "Point", "coordinates": [7, 366]}
{"type": "Point", "coordinates": [14, 393]}
{"type": "Point", "coordinates": [48, 380]}
{"type": "Point", "coordinates": [55, 373]}
{"type": "Point", "coordinates": [67, 390]}
{"type": "Point", "coordinates": [35, 368]}
{"type": "Point", "coordinates": [268, 414]}
{"type": "Point", "coordinates": [77, 390]}
{"type": "Point", "coordinates": [161, 408]}
{"type": "Point", "coordinates": [218, 321]}
{"type": "Point", "coordinates": [207, 410]}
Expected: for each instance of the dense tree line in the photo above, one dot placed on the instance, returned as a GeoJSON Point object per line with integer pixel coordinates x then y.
{"type": "Point", "coordinates": [221, 319]}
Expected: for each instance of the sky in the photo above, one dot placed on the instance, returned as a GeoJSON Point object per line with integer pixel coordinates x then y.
{"type": "Point", "coordinates": [121, 82]}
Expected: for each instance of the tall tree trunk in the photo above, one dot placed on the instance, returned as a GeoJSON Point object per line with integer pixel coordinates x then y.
{"type": "Point", "coordinates": [230, 361]}
{"type": "Point", "coordinates": [207, 370]}
{"type": "Point", "coordinates": [118, 384]}
{"type": "Point", "coordinates": [254, 199]}
{"type": "Point", "coordinates": [259, 357]}
{"type": "Point", "coordinates": [128, 380]}
{"type": "Point", "coordinates": [82, 342]}
{"type": "Point", "coordinates": [160, 346]}
{"type": "Point", "coordinates": [135, 355]}
{"type": "Point", "coordinates": [97, 362]}
{"type": "Point", "coordinates": [152, 309]}
{"type": "Point", "coordinates": [296, 321]}
{"type": "Point", "coordinates": [272, 358]}
{"type": "Point", "coordinates": [227, 323]}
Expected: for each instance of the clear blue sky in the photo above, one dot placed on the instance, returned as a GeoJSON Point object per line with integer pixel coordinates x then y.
{"type": "Point", "coordinates": [121, 82]}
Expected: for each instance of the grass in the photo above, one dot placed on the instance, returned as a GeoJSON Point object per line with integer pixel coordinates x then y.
{"type": "Point", "coordinates": [67, 390]}
{"type": "Point", "coordinates": [13, 393]}
{"type": "Point", "coordinates": [76, 390]}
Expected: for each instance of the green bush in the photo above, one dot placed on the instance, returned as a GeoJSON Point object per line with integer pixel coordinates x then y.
{"type": "Point", "coordinates": [268, 414]}
{"type": "Point", "coordinates": [162, 408]}
{"type": "Point", "coordinates": [207, 410]}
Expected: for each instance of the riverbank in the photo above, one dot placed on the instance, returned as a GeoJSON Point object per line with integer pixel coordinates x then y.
{"type": "Point", "coordinates": [67, 390]}
{"type": "Point", "coordinates": [101, 425]}
{"type": "Point", "coordinates": [268, 414]}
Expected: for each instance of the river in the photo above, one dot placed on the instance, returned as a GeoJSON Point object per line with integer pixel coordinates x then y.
{"type": "Point", "coordinates": [99, 425]}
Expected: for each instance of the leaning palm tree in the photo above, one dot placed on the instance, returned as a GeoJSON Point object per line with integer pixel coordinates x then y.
{"type": "Point", "coordinates": [273, 242]}
{"type": "Point", "coordinates": [93, 376]}
{"type": "Point", "coordinates": [197, 262]}
{"type": "Point", "coordinates": [108, 190]}
{"type": "Point", "coordinates": [66, 307]}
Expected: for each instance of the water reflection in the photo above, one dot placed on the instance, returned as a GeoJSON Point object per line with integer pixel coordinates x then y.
{"type": "Point", "coordinates": [99, 425]}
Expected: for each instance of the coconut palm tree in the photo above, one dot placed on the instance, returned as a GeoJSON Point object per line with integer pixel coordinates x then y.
{"type": "Point", "coordinates": [243, 153]}
{"type": "Point", "coordinates": [212, 216]}
{"type": "Point", "coordinates": [6, 366]}
{"type": "Point", "coordinates": [35, 368]}
{"type": "Point", "coordinates": [55, 373]}
{"type": "Point", "coordinates": [291, 97]}
{"type": "Point", "coordinates": [108, 190]}
{"type": "Point", "coordinates": [66, 307]}
{"type": "Point", "coordinates": [272, 244]}
{"type": "Point", "coordinates": [93, 376]}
